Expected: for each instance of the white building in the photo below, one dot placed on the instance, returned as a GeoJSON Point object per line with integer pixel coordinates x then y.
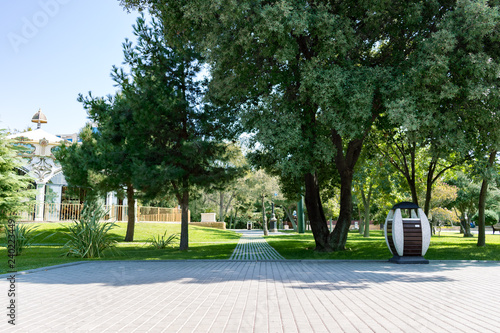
{"type": "Point", "coordinates": [41, 164]}
{"type": "Point", "coordinates": [51, 186]}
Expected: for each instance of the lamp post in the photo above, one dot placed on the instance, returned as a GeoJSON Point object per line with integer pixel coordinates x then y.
{"type": "Point", "coordinates": [273, 222]}
{"type": "Point", "coordinates": [300, 215]}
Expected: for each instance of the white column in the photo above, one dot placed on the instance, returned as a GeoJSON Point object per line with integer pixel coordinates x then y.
{"type": "Point", "coordinates": [40, 201]}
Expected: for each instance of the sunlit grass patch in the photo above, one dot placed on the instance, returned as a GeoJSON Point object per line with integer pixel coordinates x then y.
{"type": "Point", "coordinates": [49, 239]}
{"type": "Point", "coordinates": [448, 246]}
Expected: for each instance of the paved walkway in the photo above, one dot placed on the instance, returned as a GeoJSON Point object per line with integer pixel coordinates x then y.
{"type": "Point", "coordinates": [264, 296]}
{"type": "Point", "coordinates": [253, 246]}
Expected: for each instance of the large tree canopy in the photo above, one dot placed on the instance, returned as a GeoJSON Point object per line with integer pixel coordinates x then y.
{"type": "Point", "coordinates": [309, 78]}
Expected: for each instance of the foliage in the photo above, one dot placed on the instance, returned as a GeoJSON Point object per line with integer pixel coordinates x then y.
{"type": "Point", "coordinates": [14, 187]}
{"type": "Point", "coordinates": [372, 184]}
{"type": "Point", "coordinates": [89, 237]}
{"type": "Point", "coordinates": [310, 80]}
{"type": "Point", "coordinates": [490, 217]}
{"type": "Point", "coordinates": [162, 242]}
{"type": "Point", "coordinates": [263, 187]}
{"type": "Point", "coordinates": [443, 215]}
{"type": "Point", "coordinates": [180, 137]}
{"type": "Point", "coordinates": [21, 234]}
{"type": "Point", "coordinates": [465, 204]}
{"type": "Point", "coordinates": [103, 160]}
{"type": "Point", "coordinates": [443, 194]}
{"type": "Point", "coordinates": [233, 194]}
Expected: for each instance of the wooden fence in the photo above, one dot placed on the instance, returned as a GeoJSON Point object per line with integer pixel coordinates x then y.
{"type": "Point", "coordinates": [159, 214]}
{"type": "Point", "coordinates": [69, 212]}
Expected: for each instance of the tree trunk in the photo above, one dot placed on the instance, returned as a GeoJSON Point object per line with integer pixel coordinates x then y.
{"type": "Point", "coordinates": [429, 182]}
{"type": "Point", "coordinates": [366, 206]}
{"type": "Point", "coordinates": [129, 236]}
{"type": "Point", "coordinates": [467, 232]}
{"type": "Point", "coordinates": [367, 221]}
{"type": "Point", "coordinates": [235, 216]}
{"type": "Point", "coordinates": [428, 196]}
{"type": "Point", "coordinates": [361, 222]}
{"type": "Point", "coordinates": [290, 217]}
{"type": "Point", "coordinates": [264, 222]}
{"type": "Point", "coordinates": [315, 213]}
{"type": "Point", "coordinates": [481, 227]}
{"type": "Point", "coordinates": [184, 244]}
{"type": "Point", "coordinates": [345, 166]}
{"type": "Point", "coordinates": [413, 190]}
{"type": "Point", "coordinates": [338, 237]}
{"type": "Point", "coordinates": [221, 206]}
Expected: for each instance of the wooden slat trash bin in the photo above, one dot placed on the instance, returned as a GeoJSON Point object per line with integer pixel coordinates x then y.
{"type": "Point", "coordinates": [407, 234]}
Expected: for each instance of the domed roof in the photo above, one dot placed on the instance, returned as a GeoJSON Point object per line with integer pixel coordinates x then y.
{"type": "Point", "coordinates": [35, 136]}
{"type": "Point", "coordinates": [39, 117]}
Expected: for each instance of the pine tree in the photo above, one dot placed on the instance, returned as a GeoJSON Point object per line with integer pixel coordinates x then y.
{"type": "Point", "coordinates": [13, 184]}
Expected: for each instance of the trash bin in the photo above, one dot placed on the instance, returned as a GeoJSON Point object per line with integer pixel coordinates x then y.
{"type": "Point", "coordinates": [249, 225]}
{"type": "Point", "coordinates": [408, 237]}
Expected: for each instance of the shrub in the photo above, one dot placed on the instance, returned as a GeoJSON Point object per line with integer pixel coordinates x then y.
{"type": "Point", "coordinates": [88, 237]}
{"type": "Point", "coordinates": [162, 243]}
{"type": "Point", "coordinates": [490, 217]}
{"type": "Point", "coordinates": [22, 236]}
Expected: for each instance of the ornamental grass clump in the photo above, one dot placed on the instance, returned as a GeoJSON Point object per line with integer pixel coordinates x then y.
{"type": "Point", "coordinates": [88, 237]}
{"type": "Point", "coordinates": [163, 241]}
{"type": "Point", "coordinates": [18, 237]}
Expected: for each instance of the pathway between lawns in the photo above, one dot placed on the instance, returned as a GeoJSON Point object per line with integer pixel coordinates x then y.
{"type": "Point", "coordinates": [252, 246]}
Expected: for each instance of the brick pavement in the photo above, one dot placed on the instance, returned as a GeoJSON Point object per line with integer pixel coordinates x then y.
{"type": "Point", "coordinates": [262, 296]}
{"type": "Point", "coordinates": [253, 246]}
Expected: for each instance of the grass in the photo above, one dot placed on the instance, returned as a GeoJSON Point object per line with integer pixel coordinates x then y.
{"type": "Point", "coordinates": [448, 246]}
{"type": "Point", "coordinates": [209, 243]}
{"type": "Point", "coordinates": [48, 242]}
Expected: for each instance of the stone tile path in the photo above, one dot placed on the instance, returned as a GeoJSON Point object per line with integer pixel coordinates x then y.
{"type": "Point", "coordinates": [259, 296]}
{"type": "Point", "coordinates": [254, 292]}
{"type": "Point", "coordinates": [253, 246]}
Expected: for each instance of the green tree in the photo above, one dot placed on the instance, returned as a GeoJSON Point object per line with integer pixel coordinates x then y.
{"type": "Point", "coordinates": [178, 138]}
{"type": "Point", "coordinates": [489, 173]}
{"type": "Point", "coordinates": [309, 78]}
{"type": "Point", "coordinates": [14, 185]}
{"type": "Point", "coordinates": [421, 159]}
{"type": "Point", "coordinates": [475, 68]}
{"type": "Point", "coordinates": [465, 205]}
{"type": "Point", "coordinates": [114, 153]}
{"type": "Point", "coordinates": [231, 191]}
{"type": "Point", "coordinates": [371, 181]}
{"type": "Point", "coordinates": [103, 160]}
{"type": "Point", "coordinates": [491, 217]}
{"type": "Point", "coordinates": [262, 187]}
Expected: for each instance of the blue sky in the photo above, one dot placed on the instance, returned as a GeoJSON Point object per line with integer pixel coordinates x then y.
{"type": "Point", "coordinates": [52, 50]}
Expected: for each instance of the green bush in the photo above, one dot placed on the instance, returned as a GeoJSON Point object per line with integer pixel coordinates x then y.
{"type": "Point", "coordinates": [88, 237]}
{"type": "Point", "coordinates": [162, 243]}
{"type": "Point", "coordinates": [22, 237]}
{"type": "Point", "coordinates": [490, 217]}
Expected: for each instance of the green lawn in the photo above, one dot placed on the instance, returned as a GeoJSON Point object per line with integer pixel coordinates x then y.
{"type": "Point", "coordinates": [448, 246]}
{"type": "Point", "coordinates": [209, 243]}
{"type": "Point", "coordinates": [204, 243]}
